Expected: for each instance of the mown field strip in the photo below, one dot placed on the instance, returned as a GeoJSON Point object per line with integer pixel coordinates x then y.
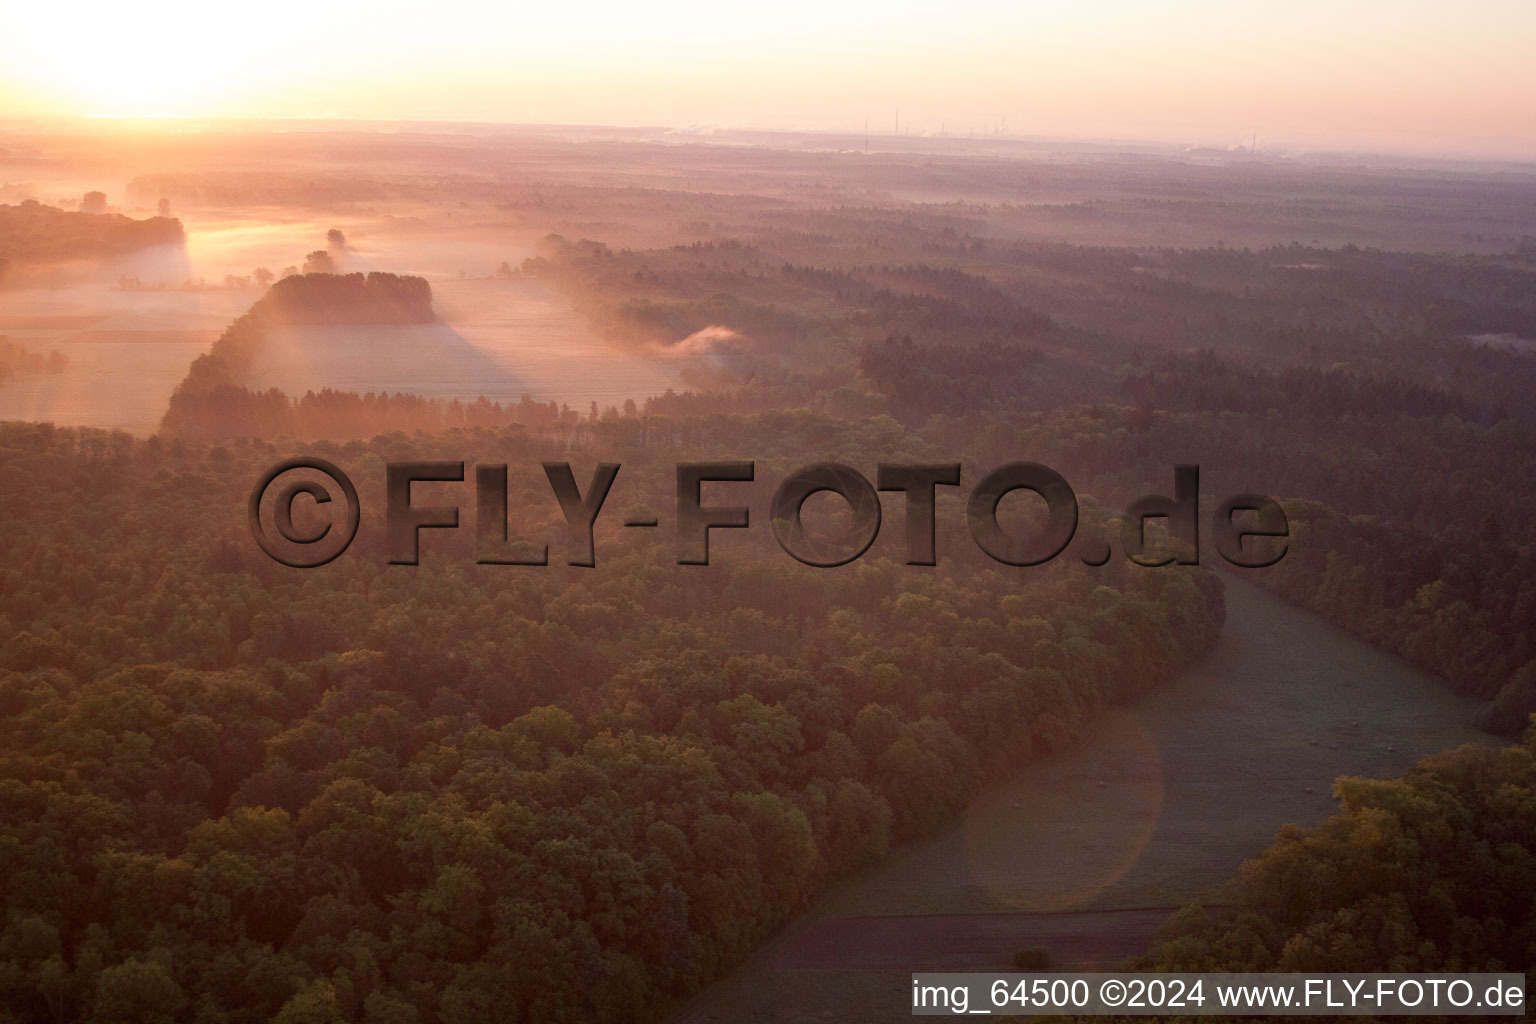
{"type": "Point", "coordinates": [1080, 851]}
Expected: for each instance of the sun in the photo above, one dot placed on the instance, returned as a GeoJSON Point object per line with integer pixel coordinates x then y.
{"type": "Point", "coordinates": [122, 58]}
{"type": "Point", "coordinates": [177, 57]}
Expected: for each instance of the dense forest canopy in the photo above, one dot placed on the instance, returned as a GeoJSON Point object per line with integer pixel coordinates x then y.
{"type": "Point", "coordinates": [239, 792]}
{"type": "Point", "coordinates": [31, 232]}
{"type": "Point", "coordinates": [1430, 872]}
{"type": "Point", "coordinates": [1362, 403]}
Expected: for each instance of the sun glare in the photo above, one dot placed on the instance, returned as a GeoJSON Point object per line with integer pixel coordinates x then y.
{"type": "Point", "coordinates": [125, 60]}
{"type": "Point", "coordinates": [1301, 69]}
{"type": "Point", "coordinates": [178, 58]}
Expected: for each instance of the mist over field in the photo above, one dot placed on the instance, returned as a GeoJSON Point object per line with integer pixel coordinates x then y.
{"type": "Point", "coordinates": [130, 325]}
{"type": "Point", "coordinates": [503, 781]}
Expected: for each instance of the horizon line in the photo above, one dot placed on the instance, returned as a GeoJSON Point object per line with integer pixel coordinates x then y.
{"type": "Point", "coordinates": [1276, 150]}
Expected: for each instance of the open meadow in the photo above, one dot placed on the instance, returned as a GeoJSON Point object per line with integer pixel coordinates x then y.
{"type": "Point", "coordinates": [496, 339]}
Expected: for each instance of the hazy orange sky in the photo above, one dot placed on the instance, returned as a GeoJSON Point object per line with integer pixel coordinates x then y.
{"type": "Point", "coordinates": [1403, 75]}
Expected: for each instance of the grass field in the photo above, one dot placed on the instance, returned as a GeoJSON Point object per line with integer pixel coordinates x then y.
{"type": "Point", "coordinates": [127, 350]}
{"type": "Point", "coordinates": [499, 339]}
{"type": "Point", "coordinates": [1156, 809]}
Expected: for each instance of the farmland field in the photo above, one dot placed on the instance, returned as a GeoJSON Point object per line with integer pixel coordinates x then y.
{"type": "Point", "coordinates": [499, 339]}
{"type": "Point", "coordinates": [1156, 809]}
{"type": "Point", "coordinates": [127, 350]}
